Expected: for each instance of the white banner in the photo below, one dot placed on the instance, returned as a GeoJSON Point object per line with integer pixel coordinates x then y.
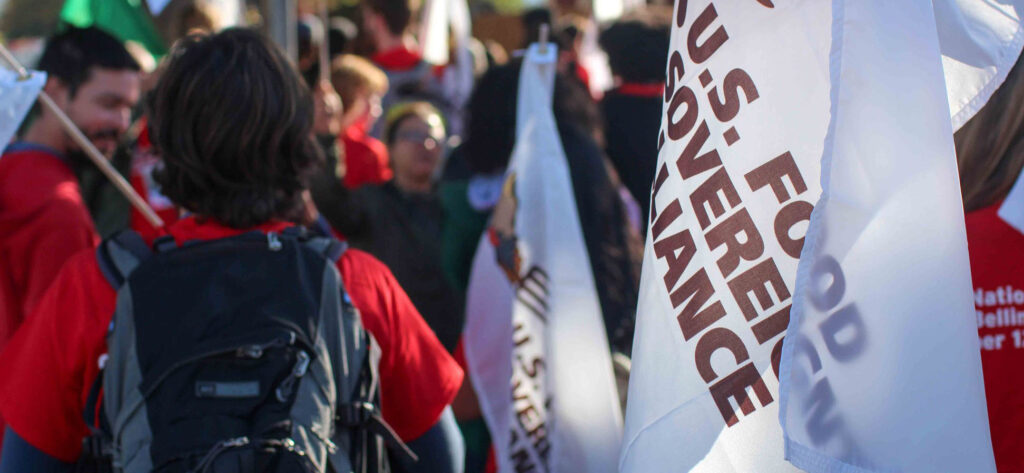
{"type": "Point", "coordinates": [16, 99]}
{"type": "Point", "coordinates": [747, 109]}
{"type": "Point", "coordinates": [881, 370]}
{"type": "Point", "coordinates": [535, 339]}
{"type": "Point", "coordinates": [438, 17]}
{"type": "Point", "coordinates": [980, 42]}
{"type": "Point", "coordinates": [745, 117]}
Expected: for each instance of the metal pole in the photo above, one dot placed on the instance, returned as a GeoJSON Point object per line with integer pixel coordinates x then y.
{"type": "Point", "coordinates": [325, 66]}
{"type": "Point", "coordinates": [90, 150]}
{"type": "Point", "coordinates": [281, 20]}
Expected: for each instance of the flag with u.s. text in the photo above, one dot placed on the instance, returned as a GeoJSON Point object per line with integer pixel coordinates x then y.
{"type": "Point", "coordinates": [535, 339]}
{"type": "Point", "coordinates": [806, 225]}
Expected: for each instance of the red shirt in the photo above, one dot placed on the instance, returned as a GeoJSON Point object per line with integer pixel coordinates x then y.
{"type": "Point", "coordinates": [49, 366]}
{"type": "Point", "coordinates": [997, 267]}
{"type": "Point", "coordinates": [43, 222]}
{"type": "Point", "coordinates": [366, 158]}
{"type": "Point", "coordinates": [397, 59]}
{"type": "Point", "coordinates": [402, 59]}
{"type": "Point", "coordinates": [144, 162]}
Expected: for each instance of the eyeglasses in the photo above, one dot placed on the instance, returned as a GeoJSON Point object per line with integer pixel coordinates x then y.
{"type": "Point", "coordinates": [419, 137]}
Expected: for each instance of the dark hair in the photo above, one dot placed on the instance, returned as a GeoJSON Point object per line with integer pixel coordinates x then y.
{"type": "Point", "coordinates": [637, 50]}
{"type": "Point", "coordinates": [490, 134]}
{"type": "Point", "coordinates": [397, 13]}
{"type": "Point", "coordinates": [72, 54]}
{"type": "Point", "coordinates": [233, 121]}
{"type": "Point", "coordinates": [990, 146]}
{"type": "Point", "coordinates": [340, 35]}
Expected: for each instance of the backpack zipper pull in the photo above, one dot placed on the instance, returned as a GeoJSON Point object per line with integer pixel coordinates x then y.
{"type": "Point", "coordinates": [273, 242]}
{"type": "Point", "coordinates": [255, 351]}
{"type": "Point", "coordinates": [284, 391]}
{"type": "Point", "coordinates": [219, 448]}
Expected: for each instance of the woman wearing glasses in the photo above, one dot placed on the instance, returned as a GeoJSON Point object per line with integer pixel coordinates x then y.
{"type": "Point", "coordinates": [399, 221]}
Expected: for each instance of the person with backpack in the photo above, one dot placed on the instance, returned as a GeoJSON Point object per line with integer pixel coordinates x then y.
{"type": "Point", "coordinates": [238, 341]}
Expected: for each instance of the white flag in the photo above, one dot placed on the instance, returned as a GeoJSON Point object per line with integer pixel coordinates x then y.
{"type": "Point", "coordinates": [16, 98]}
{"type": "Point", "coordinates": [746, 115]}
{"type": "Point", "coordinates": [438, 17]}
{"type": "Point", "coordinates": [535, 339]}
{"type": "Point", "coordinates": [881, 370]}
{"type": "Point", "coordinates": [980, 43]}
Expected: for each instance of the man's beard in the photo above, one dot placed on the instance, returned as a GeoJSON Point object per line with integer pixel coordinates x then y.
{"type": "Point", "coordinates": [105, 134]}
{"type": "Point", "coordinates": [80, 160]}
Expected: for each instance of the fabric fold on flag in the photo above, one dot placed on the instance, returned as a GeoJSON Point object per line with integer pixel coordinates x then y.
{"type": "Point", "coordinates": [882, 347]}
{"type": "Point", "coordinates": [980, 42]}
{"type": "Point", "coordinates": [535, 341]}
{"type": "Point", "coordinates": [16, 98]}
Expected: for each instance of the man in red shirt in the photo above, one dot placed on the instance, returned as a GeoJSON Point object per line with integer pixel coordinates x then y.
{"type": "Point", "coordinates": [410, 77]}
{"type": "Point", "coordinates": [43, 219]}
{"type": "Point", "coordinates": [233, 123]}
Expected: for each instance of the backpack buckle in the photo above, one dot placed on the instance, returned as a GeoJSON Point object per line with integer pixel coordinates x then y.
{"type": "Point", "coordinates": [356, 414]}
{"type": "Point", "coordinates": [96, 447]}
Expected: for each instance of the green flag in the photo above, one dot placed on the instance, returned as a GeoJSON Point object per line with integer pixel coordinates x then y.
{"type": "Point", "coordinates": [126, 19]}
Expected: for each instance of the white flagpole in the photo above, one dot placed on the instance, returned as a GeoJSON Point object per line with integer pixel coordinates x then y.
{"type": "Point", "coordinates": [90, 150]}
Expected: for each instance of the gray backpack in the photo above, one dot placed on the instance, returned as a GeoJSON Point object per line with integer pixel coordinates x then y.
{"type": "Point", "coordinates": [241, 354]}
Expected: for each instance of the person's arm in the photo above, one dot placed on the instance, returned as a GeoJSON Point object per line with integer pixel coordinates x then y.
{"type": "Point", "coordinates": [19, 456]}
{"type": "Point", "coordinates": [440, 449]}
{"type": "Point", "coordinates": [44, 366]}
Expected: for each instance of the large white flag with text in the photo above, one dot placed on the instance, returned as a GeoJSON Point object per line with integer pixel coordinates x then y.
{"type": "Point", "coordinates": [886, 370]}
{"type": "Point", "coordinates": [535, 339]}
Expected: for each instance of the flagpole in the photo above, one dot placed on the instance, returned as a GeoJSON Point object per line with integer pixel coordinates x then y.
{"type": "Point", "coordinates": [325, 67]}
{"type": "Point", "coordinates": [90, 150]}
{"type": "Point", "coordinates": [542, 38]}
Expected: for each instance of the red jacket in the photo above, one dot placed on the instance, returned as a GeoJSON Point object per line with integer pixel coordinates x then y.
{"type": "Point", "coordinates": [366, 158]}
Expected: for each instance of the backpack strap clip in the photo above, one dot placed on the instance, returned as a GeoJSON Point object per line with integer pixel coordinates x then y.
{"type": "Point", "coordinates": [120, 254]}
{"type": "Point", "coordinates": [365, 415]}
{"type": "Point", "coordinates": [330, 248]}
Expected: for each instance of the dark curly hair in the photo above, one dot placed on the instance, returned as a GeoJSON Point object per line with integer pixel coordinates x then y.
{"type": "Point", "coordinates": [637, 49]}
{"type": "Point", "coordinates": [72, 54]}
{"type": "Point", "coordinates": [232, 120]}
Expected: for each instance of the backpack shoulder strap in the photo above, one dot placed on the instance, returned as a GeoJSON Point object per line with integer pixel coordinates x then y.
{"type": "Point", "coordinates": [330, 248]}
{"type": "Point", "coordinates": [120, 254]}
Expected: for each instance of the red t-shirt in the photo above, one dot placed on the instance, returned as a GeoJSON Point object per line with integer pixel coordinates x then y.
{"type": "Point", "coordinates": [49, 366]}
{"type": "Point", "coordinates": [43, 221]}
{"type": "Point", "coordinates": [144, 162]}
{"type": "Point", "coordinates": [366, 158]}
{"type": "Point", "coordinates": [397, 59]}
{"type": "Point", "coordinates": [997, 267]}
{"type": "Point", "coordinates": [402, 59]}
